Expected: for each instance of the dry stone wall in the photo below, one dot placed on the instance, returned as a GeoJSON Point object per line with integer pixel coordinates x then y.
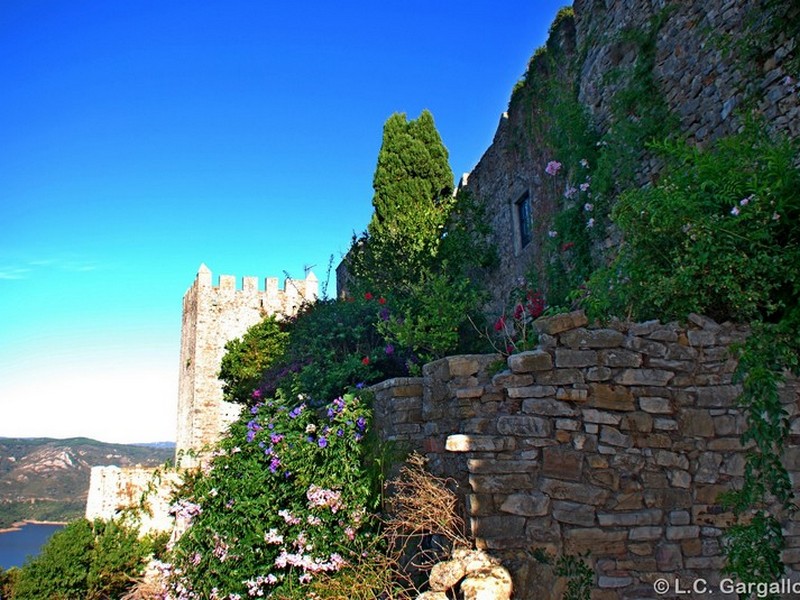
{"type": "Point", "coordinates": [614, 441]}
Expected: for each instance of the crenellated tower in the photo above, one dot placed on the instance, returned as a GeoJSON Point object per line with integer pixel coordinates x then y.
{"type": "Point", "coordinates": [212, 316]}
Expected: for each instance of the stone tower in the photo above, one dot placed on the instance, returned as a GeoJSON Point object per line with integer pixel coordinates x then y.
{"type": "Point", "coordinates": [212, 316]}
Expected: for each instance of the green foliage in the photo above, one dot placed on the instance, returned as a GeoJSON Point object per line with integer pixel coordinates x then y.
{"type": "Point", "coordinates": [413, 187]}
{"type": "Point", "coordinates": [716, 235]}
{"type": "Point", "coordinates": [247, 358]}
{"type": "Point", "coordinates": [425, 250]}
{"type": "Point", "coordinates": [85, 561]}
{"type": "Point", "coordinates": [332, 345]}
{"type": "Point", "coordinates": [579, 577]}
{"type": "Point", "coordinates": [753, 550]}
{"type": "Point", "coordinates": [287, 499]}
{"type": "Point", "coordinates": [8, 581]}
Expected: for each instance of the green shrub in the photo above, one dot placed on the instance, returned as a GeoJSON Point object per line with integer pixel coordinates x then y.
{"type": "Point", "coordinates": [247, 358]}
{"type": "Point", "coordinates": [717, 235]}
{"type": "Point", "coordinates": [85, 561]}
{"type": "Point", "coordinates": [288, 497]}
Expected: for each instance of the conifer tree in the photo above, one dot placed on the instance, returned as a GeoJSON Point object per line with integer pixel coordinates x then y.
{"type": "Point", "coordinates": [413, 186]}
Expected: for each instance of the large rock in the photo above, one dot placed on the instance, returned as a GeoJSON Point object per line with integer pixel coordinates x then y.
{"type": "Point", "coordinates": [488, 583]}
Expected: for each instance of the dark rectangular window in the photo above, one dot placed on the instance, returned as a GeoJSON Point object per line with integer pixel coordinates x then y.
{"type": "Point", "coordinates": [525, 220]}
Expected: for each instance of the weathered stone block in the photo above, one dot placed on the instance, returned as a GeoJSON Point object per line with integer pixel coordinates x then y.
{"type": "Point", "coordinates": [648, 377]}
{"type": "Point", "coordinates": [619, 358]}
{"type": "Point", "coordinates": [507, 379]}
{"type": "Point", "coordinates": [462, 366]}
{"type": "Point", "coordinates": [501, 483]}
{"type": "Point", "coordinates": [533, 504]}
{"type": "Point", "coordinates": [560, 323]}
{"type": "Point", "coordinates": [592, 338]}
{"type": "Point", "coordinates": [546, 407]}
{"type": "Point", "coordinates": [562, 463]}
{"type": "Point", "coordinates": [572, 394]}
{"type": "Point", "coordinates": [638, 422]}
{"type": "Point", "coordinates": [648, 347]}
{"type": "Point", "coordinates": [718, 396]}
{"type": "Point", "coordinates": [656, 405]}
{"type": "Point", "coordinates": [611, 397]}
{"type": "Point", "coordinates": [575, 358]}
{"type": "Point", "coordinates": [532, 391]}
{"type": "Point", "coordinates": [682, 532]}
{"type": "Point", "coordinates": [646, 533]}
{"type": "Point", "coordinates": [612, 436]}
{"type": "Point", "coordinates": [482, 466]}
{"type": "Point", "coordinates": [565, 490]}
{"type": "Point", "coordinates": [598, 374]}
{"type": "Point", "coordinates": [559, 377]}
{"type": "Point", "coordinates": [695, 422]}
{"type": "Point", "coordinates": [574, 513]}
{"type": "Point", "coordinates": [499, 526]}
{"type": "Point", "coordinates": [525, 426]}
{"type": "Point", "coordinates": [478, 443]}
{"type": "Point", "coordinates": [530, 361]}
{"type": "Point", "coordinates": [637, 518]}
{"type": "Point", "coordinates": [591, 415]}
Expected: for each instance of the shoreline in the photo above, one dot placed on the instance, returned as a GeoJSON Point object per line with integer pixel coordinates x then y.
{"type": "Point", "coordinates": [20, 524]}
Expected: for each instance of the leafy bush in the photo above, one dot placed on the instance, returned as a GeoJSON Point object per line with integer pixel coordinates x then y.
{"type": "Point", "coordinates": [716, 235]}
{"type": "Point", "coordinates": [247, 358]}
{"type": "Point", "coordinates": [85, 561]}
{"type": "Point", "coordinates": [287, 498]}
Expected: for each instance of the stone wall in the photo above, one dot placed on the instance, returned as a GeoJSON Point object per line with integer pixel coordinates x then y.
{"type": "Point", "coordinates": [702, 83]}
{"type": "Point", "coordinates": [212, 316]}
{"type": "Point", "coordinates": [610, 440]}
{"type": "Point", "coordinates": [140, 491]}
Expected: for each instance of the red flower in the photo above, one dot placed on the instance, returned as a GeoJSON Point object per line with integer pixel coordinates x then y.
{"type": "Point", "coordinates": [368, 296]}
{"type": "Point", "coordinates": [381, 300]}
{"type": "Point", "coordinates": [567, 246]}
{"type": "Point", "coordinates": [365, 360]}
{"type": "Point", "coordinates": [500, 324]}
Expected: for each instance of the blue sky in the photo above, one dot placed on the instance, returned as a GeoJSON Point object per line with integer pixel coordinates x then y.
{"type": "Point", "coordinates": [139, 139]}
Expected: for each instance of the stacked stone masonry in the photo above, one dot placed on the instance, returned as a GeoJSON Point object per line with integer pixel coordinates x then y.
{"type": "Point", "coordinates": [612, 440]}
{"type": "Point", "coordinates": [212, 316]}
{"type": "Point", "coordinates": [697, 69]}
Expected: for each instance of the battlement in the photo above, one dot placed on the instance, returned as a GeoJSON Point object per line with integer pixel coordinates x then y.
{"type": "Point", "coordinates": [307, 288]}
{"type": "Point", "coordinates": [212, 316]}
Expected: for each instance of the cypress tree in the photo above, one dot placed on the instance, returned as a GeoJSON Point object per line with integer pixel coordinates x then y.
{"type": "Point", "coordinates": [413, 187]}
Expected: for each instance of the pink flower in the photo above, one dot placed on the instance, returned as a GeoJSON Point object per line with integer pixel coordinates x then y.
{"type": "Point", "coordinates": [552, 168]}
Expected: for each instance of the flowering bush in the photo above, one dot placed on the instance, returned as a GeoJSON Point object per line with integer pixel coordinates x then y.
{"type": "Point", "coordinates": [717, 235]}
{"type": "Point", "coordinates": [513, 330]}
{"type": "Point", "coordinates": [288, 497]}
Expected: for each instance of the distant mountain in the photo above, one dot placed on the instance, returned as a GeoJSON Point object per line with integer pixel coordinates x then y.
{"type": "Point", "coordinates": [45, 479]}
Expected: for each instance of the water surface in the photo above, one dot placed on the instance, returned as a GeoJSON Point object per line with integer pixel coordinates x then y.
{"type": "Point", "coordinates": [17, 545]}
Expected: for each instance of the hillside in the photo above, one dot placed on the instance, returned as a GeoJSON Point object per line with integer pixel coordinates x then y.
{"type": "Point", "coordinates": [48, 479]}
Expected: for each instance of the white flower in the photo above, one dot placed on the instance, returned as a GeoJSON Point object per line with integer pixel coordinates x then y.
{"type": "Point", "coordinates": [552, 233]}
{"type": "Point", "coordinates": [588, 207]}
{"type": "Point", "coordinates": [735, 211]}
{"type": "Point", "coordinates": [590, 223]}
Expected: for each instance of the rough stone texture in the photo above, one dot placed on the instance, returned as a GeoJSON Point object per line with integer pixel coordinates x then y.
{"type": "Point", "coordinates": [212, 316]}
{"type": "Point", "coordinates": [113, 489]}
{"type": "Point", "coordinates": [629, 469]}
{"type": "Point", "coordinates": [702, 84]}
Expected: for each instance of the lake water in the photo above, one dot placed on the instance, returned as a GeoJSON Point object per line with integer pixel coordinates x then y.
{"type": "Point", "coordinates": [26, 541]}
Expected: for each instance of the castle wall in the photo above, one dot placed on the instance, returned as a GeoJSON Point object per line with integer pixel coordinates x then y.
{"type": "Point", "coordinates": [698, 69]}
{"type": "Point", "coordinates": [615, 441]}
{"type": "Point", "coordinates": [140, 493]}
{"type": "Point", "coordinates": [212, 316]}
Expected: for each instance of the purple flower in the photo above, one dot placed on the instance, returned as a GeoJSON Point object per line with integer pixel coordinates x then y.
{"type": "Point", "coordinates": [274, 464]}
{"type": "Point", "coordinates": [361, 423]}
{"type": "Point", "coordinates": [552, 167]}
{"type": "Point", "coordinates": [322, 442]}
{"type": "Point", "coordinates": [389, 349]}
{"type": "Point", "coordinates": [384, 314]}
